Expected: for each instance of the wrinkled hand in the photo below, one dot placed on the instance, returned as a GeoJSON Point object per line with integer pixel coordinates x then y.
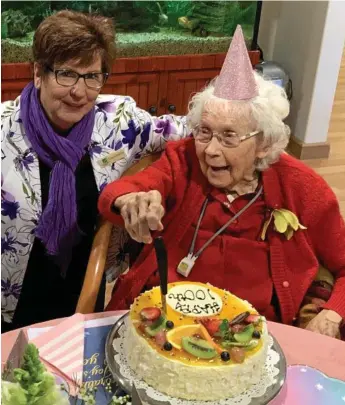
{"type": "Point", "coordinates": [327, 323]}
{"type": "Point", "coordinates": [142, 213]}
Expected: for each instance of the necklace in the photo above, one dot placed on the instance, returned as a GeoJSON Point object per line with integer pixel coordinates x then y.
{"type": "Point", "coordinates": [186, 264]}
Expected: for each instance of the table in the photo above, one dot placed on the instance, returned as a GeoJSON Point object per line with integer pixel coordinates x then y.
{"type": "Point", "coordinates": [300, 346]}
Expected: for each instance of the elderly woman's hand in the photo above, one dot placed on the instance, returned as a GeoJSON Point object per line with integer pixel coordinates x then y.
{"type": "Point", "coordinates": [327, 322]}
{"type": "Point", "coordinates": [142, 213]}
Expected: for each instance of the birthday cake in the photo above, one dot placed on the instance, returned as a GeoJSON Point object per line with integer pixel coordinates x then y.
{"type": "Point", "coordinates": [209, 345]}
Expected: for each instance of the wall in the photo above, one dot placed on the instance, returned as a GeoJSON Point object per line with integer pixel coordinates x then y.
{"type": "Point", "coordinates": [307, 38]}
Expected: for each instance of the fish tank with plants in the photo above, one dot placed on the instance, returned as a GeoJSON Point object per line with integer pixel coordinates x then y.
{"type": "Point", "coordinates": [143, 28]}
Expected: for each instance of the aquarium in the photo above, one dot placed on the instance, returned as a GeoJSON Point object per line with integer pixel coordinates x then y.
{"type": "Point", "coordinates": [143, 28]}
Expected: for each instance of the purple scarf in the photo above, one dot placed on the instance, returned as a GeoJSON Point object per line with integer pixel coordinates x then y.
{"type": "Point", "coordinates": [57, 227]}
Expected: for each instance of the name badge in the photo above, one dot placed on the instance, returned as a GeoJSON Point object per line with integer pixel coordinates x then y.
{"type": "Point", "coordinates": [186, 265]}
{"type": "Point", "coordinates": [111, 158]}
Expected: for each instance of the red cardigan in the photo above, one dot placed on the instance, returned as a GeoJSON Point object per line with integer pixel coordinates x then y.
{"type": "Point", "coordinates": [287, 184]}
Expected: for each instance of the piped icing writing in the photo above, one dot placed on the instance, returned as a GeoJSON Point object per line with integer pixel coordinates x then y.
{"type": "Point", "coordinates": [194, 300]}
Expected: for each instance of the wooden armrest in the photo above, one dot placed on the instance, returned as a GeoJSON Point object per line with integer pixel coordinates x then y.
{"type": "Point", "coordinates": [98, 256]}
{"type": "Point", "coordinates": [142, 164]}
{"type": "Point", "coordinates": [95, 268]}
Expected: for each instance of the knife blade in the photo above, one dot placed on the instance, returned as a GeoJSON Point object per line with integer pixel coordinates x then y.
{"type": "Point", "coordinates": [162, 262]}
{"type": "Point", "coordinates": [136, 400]}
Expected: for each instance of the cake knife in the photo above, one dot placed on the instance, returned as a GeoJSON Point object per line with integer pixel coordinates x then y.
{"type": "Point", "coordinates": [136, 400]}
{"type": "Point", "coordinates": [162, 261]}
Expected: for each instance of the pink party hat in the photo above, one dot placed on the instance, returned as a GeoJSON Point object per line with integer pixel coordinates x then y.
{"type": "Point", "coordinates": [236, 80]}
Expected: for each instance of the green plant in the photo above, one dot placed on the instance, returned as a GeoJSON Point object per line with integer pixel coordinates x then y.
{"type": "Point", "coordinates": [4, 29]}
{"type": "Point", "coordinates": [12, 394]}
{"type": "Point", "coordinates": [82, 6]}
{"type": "Point", "coordinates": [238, 14]}
{"type": "Point", "coordinates": [35, 10]}
{"type": "Point", "coordinates": [136, 16]}
{"type": "Point", "coordinates": [106, 8]}
{"type": "Point", "coordinates": [222, 17]}
{"type": "Point", "coordinates": [176, 9]}
{"type": "Point", "coordinates": [18, 24]}
{"type": "Point", "coordinates": [32, 385]}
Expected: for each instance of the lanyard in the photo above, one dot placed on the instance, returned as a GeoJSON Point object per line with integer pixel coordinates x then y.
{"type": "Point", "coordinates": [187, 263]}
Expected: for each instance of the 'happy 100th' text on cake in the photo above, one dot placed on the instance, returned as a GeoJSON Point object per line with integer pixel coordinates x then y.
{"type": "Point", "coordinates": [195, 301]}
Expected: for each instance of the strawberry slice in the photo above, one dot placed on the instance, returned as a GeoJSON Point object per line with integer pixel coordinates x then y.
{"type": "Point", "coordinates": [161, 338]}
{"type": "Point", "coordinates": [150, 313]}
{"type": "Point", "coordinates": [253, 318]}
{"type": "Point", "coordinates": [148, 323]}
{"type": "Point", "coordinates": [211, 325]}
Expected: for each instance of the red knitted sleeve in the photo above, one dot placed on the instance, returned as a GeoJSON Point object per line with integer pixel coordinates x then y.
{"type": "Point", "coordinates": [327, 231]}
{"type": "Point", "coordinates": [158, 176]}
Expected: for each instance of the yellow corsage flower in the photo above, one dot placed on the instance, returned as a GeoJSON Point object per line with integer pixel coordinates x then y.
{"type": "Point", "coordinates": [285, 222]}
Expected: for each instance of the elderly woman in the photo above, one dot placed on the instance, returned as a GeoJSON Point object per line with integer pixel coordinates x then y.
{"type": "Point", "coordinates": [234, 209]}
{"type": "Point", "coordinates": [61, 143]}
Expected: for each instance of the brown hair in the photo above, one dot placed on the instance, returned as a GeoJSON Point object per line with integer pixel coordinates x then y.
{"type": "Point", "coordinates": [69, 35]}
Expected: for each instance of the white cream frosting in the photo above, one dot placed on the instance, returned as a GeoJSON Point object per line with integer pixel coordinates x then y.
{"type": "Point", "coordinates": [194, 300]}
{"type": "Point", "coordinates": [180, 380]}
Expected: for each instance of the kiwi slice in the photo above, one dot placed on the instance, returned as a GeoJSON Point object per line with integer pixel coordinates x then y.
{"type": "Point", "coordinates": [158, 322]}
{"type": "Point", "coordinates": [156, 327]}
{"type": "Point", "coordinates": [246, 335]}
{"type": "Point", "coordinates": [247, 346]}
{"type": "Point", "coordinates": [251, 345]}
{"type": "Point", "coordinates": [198, 348]}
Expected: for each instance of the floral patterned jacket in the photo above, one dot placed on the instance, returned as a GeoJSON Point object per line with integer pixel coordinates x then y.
{"type": "Point", "coordinates": [123, 133]}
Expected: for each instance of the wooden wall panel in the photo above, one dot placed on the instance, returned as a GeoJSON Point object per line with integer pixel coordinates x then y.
{"type": "Point", "coordinates": [181, 84]}
{"type": "Point", "coordinates": [163, 92]}
{"type": "Point", "coordinates": [190, 88]}
{"type": "Point", "coordinates": [143, 95]}
{"type": "Point", "coordinates": [152, 81]}
{"type": "Point", "coordinates": [142, 87]}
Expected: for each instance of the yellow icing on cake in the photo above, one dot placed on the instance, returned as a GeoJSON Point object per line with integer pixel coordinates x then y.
{"type": "Point", "coordinates": [231, 307]}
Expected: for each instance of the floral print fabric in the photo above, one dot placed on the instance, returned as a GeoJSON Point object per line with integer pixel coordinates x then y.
{"type": "Point", "coordinates": [119, 125]}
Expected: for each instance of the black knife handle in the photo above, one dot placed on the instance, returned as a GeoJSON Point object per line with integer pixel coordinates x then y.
{"type": "Point", "coordinates": [162, 261]}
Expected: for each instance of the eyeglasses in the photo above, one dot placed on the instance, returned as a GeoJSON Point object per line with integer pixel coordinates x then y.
{"type": "Point", "coordinates": [228, 139]}
{"type": "Point", "coordinates": [67, 78]}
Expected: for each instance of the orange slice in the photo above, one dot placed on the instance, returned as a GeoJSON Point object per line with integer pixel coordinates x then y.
{"type": "Point", "coordinates": [174, 336]}
{"type": "Point", "coordinates": [208, 338]}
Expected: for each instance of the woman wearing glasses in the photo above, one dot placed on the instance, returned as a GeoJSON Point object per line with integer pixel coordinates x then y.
{"type": "Point", "coordinates": [62, 142]}
{"type": "Point", "coordinates": [234, 209]}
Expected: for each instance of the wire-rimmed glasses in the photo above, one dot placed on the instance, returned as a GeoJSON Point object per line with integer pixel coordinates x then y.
{"type": "Point", "coordinates": [228, 139]}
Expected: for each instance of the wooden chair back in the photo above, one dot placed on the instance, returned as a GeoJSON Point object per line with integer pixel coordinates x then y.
{"type": "Point", "coordinates": [98, 256]}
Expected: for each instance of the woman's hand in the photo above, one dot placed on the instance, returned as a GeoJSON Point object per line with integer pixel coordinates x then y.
{"type": "Point", "coordinates": [142, 213]}
{"type": "Point", "coordinates": [327, 323]}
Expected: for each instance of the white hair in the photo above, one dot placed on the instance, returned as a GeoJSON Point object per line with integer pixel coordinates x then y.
{"type": "Point", "coordinates": [268, 109]}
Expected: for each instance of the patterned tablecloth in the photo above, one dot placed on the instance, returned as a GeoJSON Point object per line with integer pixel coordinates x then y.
{"type": "Point", "coordinates": [316, 372]}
